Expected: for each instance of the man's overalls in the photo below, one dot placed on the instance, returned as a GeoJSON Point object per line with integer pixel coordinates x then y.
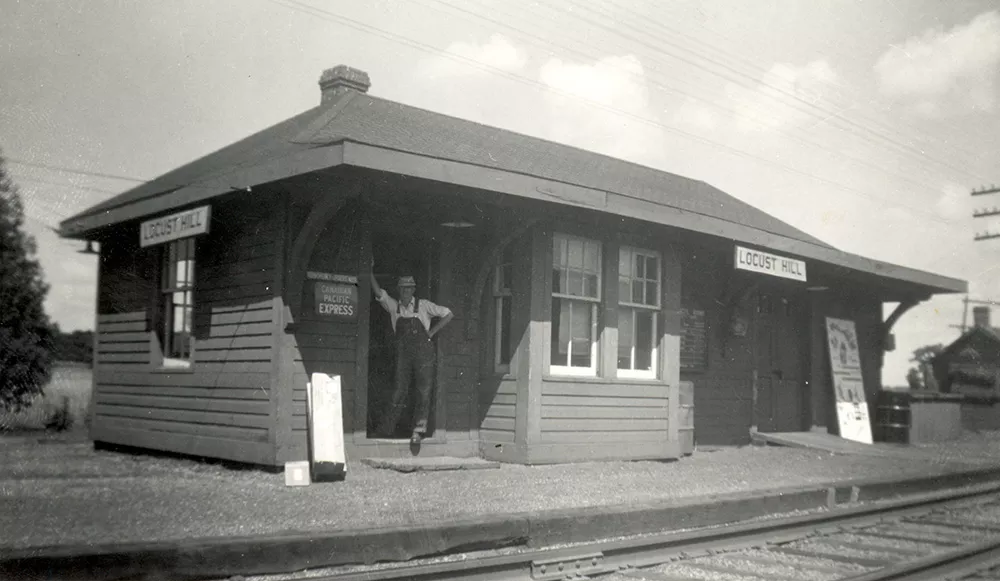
{"type": "Point", "coordinates": [414, 360]}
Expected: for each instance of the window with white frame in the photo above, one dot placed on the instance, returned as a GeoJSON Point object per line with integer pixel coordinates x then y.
{"type": "Point", "coordinates": [576, 295]}
{"type": "Point", "coordinates": [638, 304]}
{"type": "Point", "coordinates": [177, 303]}
{"type": "Point", "coordinates": [503, 347]}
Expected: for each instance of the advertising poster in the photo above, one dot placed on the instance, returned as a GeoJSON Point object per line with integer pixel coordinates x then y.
{"type": "Point", "coordinates": [848, 386]}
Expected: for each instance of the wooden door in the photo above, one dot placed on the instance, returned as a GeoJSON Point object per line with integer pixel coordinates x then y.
{"type": "Point", "coordinates": [780, 347]}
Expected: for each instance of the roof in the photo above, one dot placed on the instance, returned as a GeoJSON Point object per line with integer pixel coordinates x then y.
{"type": "Point", "coordinates": [318, 138]}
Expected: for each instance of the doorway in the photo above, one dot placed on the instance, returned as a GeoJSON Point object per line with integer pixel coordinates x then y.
{"type": "Point", "coordinates": [781, 343]}
{"type": "Point", "coordinates": [396, 252]}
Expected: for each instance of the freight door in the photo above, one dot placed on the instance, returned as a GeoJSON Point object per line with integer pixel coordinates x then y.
{"type": "Point", "coordinates": [781, 341]}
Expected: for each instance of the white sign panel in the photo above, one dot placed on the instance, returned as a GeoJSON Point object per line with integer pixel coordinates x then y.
{"type": "Point", "coordinates": [772, 264]}
{"type": "Point", "coordinates": [326, 427]}
{"type": "Point", "coordinates": [175, 226]}
{"type": "Point", "coordinates": [848, 385]}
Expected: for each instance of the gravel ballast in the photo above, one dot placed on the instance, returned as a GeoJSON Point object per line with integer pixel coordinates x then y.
{"type": "Point", "coordinates": [60, 495]}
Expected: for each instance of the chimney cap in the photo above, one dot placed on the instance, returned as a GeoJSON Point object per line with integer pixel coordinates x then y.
{"type": "Point", "coordinates": [342, 78]}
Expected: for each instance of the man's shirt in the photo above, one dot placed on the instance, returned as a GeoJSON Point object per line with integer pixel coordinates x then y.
{"type": "Point", "coordinates": [426, 310]}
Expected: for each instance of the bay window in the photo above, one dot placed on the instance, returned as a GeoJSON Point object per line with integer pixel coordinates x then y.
{"type": "Point", "coordinates": [576, 295]}
{"type": "Point", "coordinates": [638, 305]}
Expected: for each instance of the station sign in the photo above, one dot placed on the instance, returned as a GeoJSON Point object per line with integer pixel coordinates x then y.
{"type": "Point", "coordinates": [175, 226]}
{"type": "Point", "coordinates": [336, 300]}
{"type": "Point", "coordinates": [770, 264]}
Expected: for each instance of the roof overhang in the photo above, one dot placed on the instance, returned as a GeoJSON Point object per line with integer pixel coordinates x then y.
{"type": "Point", "coordinates": [370, 157]}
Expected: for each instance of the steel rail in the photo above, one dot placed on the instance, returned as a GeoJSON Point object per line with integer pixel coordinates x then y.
{"type": "Point", "coordinates": [608, 556]}
{"type": "Point", "coordinates": [951, 565]}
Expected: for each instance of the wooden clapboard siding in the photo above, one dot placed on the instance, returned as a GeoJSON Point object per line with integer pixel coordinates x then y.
{"type": "Point", "coordinates": [222, 405]}
{"type": "Point", "coordinates": [498, 424]}
{"type": "Point", "coordinates": [582, 412]}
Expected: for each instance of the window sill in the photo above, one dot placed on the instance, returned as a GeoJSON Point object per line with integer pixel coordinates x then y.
{"type": "Point", "coordinates": [163, 370]}
{"type": "Point", "coordinates": [602, 380]}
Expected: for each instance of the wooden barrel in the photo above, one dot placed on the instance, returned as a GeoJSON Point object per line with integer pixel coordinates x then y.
{"type": "Point", "coordinates": [892, 417]}
{"type": "Point", "coordinates": [685, 417]}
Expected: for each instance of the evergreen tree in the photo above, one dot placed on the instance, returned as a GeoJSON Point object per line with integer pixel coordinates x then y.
{"type": "Point", "coordinates": [26, 335]}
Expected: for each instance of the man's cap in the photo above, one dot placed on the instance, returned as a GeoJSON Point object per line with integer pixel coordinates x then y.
{"type": "Point", "coordinates": [407, 281]}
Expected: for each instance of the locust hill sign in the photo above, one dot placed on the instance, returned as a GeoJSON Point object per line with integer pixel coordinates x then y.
{"type": "Point", "coordinates": [175, 226]}
{"type": "Point", "coordinates": [771, 264]}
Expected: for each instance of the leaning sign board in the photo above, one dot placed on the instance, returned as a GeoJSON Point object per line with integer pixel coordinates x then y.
{"type": "Point", "coordinates": [175, 226]}
{"type": "Point", "coordinates": [326, 428]}
{"type": "Point", "coordinates": [772, 264]}
{"type": "Point", "coordinates": [848, 386]}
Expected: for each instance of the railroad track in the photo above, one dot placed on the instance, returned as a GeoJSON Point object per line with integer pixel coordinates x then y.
{"type": "Point", "coordinates": [953, 535]}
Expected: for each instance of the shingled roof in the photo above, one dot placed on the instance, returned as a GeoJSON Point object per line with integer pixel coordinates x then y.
{"type": "Point", "coordinates": [347, 115]}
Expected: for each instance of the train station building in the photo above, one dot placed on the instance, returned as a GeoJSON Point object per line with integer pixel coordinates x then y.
{"type": "Point", "coordinates": [585, 291]}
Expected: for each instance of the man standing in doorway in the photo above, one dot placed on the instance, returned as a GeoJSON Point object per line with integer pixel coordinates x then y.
{"type": "Point", "coordinates": [411, 323]}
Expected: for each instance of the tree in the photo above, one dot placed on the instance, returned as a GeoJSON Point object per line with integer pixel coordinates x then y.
{"type": "Point", "coordinates": [26, 335]}
{"type": "Point", "coordinates": [76, 346]}
{"type": "Point", "coordinates": [922, 376]}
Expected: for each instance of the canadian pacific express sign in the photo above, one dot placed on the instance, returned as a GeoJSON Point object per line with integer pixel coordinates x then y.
{"type": "Point", "coordinates": [772, 264]}
{"type": "Point", "coordinates": [336, 295]}
{"type": "Point", "coordinates": [175, 226]}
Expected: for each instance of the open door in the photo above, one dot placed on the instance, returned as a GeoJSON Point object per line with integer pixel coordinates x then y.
{"type": "Point", "coordinates": [395, 255]}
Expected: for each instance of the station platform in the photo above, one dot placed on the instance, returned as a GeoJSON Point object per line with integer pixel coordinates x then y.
{"type": "Point", "coordinates": [826, 442]}
{"type": "Point", "coordinates": [68, 511]}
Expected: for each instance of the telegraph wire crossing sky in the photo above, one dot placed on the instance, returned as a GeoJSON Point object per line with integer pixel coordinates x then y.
{"type": "Point", "coordinates": [860, 124]}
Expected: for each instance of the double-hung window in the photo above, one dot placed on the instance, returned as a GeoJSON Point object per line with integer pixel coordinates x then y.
{"type": "Point", "coordinates": [638, 304]}
{"type": "Point", "coordinates": [503, 348]}
{"type": "Point", "coordinates": [177, 303]}
{"type": "Point", "coordinates": [576, 295]}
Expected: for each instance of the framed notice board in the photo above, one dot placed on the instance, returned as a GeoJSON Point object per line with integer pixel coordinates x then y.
{"type": "Point", "coordinates": [694, 339]}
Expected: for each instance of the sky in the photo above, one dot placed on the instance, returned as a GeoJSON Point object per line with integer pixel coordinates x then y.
{"type": "Point", "coordinates": [866, 124]}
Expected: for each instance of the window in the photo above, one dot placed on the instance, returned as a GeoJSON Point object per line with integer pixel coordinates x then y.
{"type": "Point", "coordinates": [638, 304]}
{"type": "Point", "coordinates": [576, 294]}
{"type": "Point", "coordinates": [503, 348]}
{"type": "Point", "coordinates": [177, 304]}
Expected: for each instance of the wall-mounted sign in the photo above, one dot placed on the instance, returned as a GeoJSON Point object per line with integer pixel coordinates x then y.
{"type": "Point", "coordinates": [329, 276]}
{"type": "Point", "coordinates": [175, 226]}
{"type": "Point", "coordinates": [694, 339]}
{"type": "Point", "coordinates": [848, 385]}
{"type": "Point", "coordinates": [764, 263]}
{"type": "Point", "coordinates": [336, 300]}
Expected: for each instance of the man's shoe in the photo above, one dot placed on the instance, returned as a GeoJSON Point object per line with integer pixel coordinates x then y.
{"type": "Point", "coordinates": [416, 438]}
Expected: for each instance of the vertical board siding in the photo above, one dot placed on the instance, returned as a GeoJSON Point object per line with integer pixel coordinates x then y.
{"type": "Point", "coordinates": [221, 406]}
{"type": "Point", "coordinates": [723, 389]}
{"type": "Point", "coordinates": [578, 413]}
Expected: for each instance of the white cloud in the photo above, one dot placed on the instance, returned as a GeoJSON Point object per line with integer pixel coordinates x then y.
{"type": "Point", "coordinates": [498, 53]}
{"type": "Point", "coordinates": [614, 84]}
{"type": "Point", "coordinates": [953, 203]}
{"type": "Point", "coordinates": [942, 73]}
{"type": "Point", "coordinates": [786, 95]}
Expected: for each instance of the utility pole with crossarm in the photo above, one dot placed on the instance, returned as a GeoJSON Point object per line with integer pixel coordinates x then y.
{"type": "Point", "coordinates": [985, 213]}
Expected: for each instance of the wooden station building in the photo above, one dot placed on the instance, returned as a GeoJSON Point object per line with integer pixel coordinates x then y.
{"type": "Point", "coordinates": [585, 291]}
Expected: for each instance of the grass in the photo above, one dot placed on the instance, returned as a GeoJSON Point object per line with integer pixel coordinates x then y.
{"type": "Point", "coordinates": [68, 392]}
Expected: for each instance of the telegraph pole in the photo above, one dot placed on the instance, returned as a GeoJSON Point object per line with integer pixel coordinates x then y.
{"type": "Point", "coordinates": [985, 213]}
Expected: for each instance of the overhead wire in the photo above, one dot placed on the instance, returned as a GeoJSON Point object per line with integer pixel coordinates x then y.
{"type": "Point", "coordinates": [589, 56]}
{"type": "Point", "coordinates": [832, 114]}
{"type": "Point", "coordinates": [753, 65]}
{"type": "Point", "coordinates": [304, 8]}
{"type": "Point", "coordinates": [74, 171]}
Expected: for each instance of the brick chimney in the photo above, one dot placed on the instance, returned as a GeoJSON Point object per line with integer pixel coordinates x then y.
{"type": "Point", "coordinates": [981, 317]}
{"type": "Point", "coordinates": [340, 79]}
